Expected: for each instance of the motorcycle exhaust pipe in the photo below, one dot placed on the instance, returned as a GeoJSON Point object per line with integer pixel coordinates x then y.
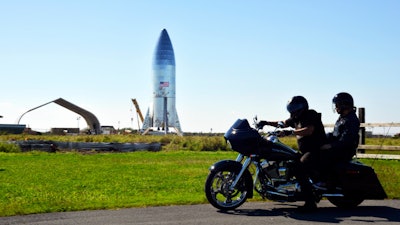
{"type": "Point", "coordinates": [287, 196]}
{"type": "Point", "coordinates": [277, 196]}
{"type": "Point", "coordinates": [332, 195]}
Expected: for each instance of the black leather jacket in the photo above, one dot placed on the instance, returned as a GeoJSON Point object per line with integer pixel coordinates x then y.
{"type": "Point", "coordinates": [345, 136]}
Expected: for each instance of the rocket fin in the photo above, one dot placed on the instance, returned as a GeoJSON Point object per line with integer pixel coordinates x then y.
{"type": "Point", "coordinates": [147, 123]}
{"type": "Point", "coordinates": [176, 124]}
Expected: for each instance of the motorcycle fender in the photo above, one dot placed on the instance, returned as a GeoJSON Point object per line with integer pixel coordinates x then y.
{"type": "Point", "coordinates": [237, 166]}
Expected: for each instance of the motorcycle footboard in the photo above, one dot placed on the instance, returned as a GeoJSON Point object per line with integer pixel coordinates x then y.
{"type": "Point", "coordinates": [359, 179]}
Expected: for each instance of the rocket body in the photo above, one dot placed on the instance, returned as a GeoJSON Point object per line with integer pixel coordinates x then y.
{"type": "Point", "coordinates": [162, 113]}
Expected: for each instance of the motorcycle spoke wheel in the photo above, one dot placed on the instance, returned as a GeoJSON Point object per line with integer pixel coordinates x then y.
{"type": "Point", "coordinates": [218, 190]}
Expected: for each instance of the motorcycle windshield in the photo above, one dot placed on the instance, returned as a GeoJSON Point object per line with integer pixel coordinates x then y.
{"type": "Point", "coordinates": [241, 124]}
{"type": "Point", "coordinates": [242, 137]}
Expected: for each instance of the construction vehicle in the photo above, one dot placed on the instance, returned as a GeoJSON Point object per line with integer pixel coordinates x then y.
{"type": "Point", "coordinates": [139, 113]}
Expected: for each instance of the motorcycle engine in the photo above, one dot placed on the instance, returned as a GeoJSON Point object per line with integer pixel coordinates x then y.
{"type": "Point", "coordinates": [280, 179]}
{"type": "Point", "coordinates": [280, 176]}
{"type": "Point", "coordinates": [276, 171]}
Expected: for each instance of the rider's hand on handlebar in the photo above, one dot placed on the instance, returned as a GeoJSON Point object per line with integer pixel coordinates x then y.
{"type": "Point", "coordinates": [261, 124]}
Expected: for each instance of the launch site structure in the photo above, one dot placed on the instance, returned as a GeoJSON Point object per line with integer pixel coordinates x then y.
{"type": "Point", "coordinates": [162, 112]}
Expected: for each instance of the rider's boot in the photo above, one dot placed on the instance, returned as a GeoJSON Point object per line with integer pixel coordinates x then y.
{"type": "Point", "coordinates": [309, 206]}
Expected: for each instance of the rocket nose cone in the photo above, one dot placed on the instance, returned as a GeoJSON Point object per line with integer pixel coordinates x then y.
{"type": "Point", "coordinates": [164, 53]}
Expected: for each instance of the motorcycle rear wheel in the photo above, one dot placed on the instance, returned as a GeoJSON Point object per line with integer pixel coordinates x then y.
{"type": "Point", "coordinates": [346, 201]}
{"type": "Point", "coordinates": [217, 188]}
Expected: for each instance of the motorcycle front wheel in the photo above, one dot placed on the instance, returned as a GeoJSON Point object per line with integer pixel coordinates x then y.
{"type": "Point", "coordinates": [218, 191]}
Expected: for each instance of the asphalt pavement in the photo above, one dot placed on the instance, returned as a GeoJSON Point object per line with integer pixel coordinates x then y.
{"type": "Point", "coordinates": [381, 212]}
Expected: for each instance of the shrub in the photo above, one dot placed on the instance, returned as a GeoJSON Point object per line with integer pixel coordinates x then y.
{"type": "Point", "coordinates": [9, 147]}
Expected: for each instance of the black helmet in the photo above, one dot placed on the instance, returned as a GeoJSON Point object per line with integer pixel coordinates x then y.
{"type": "Point", "coordinates": [296, 105]}
{"type": "Point", "coordinates": [343, 101]}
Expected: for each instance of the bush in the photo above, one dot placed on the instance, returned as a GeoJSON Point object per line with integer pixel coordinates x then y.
{"type": "Point", "coordinates": [9, 147]}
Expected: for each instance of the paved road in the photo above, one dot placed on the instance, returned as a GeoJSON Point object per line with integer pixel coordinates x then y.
{"type": "Point", "coordinates": [377, 212]}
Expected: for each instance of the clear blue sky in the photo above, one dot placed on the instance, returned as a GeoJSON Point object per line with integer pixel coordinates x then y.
{"type": "Point", "coordinates": [234, 59]}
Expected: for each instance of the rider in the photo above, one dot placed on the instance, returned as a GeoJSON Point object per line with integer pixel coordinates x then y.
{"type": "Point", "coordinates": [310, 134]}
{"type": "Point", "coordinates": [343, 141]}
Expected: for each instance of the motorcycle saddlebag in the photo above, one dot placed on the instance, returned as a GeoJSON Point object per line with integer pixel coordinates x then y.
{"type": "Point", "coordinates": [243, 138]}
{"type": "Point", "coordinates": [359, 179]}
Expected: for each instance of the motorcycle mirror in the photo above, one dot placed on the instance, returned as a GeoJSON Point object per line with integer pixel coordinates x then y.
{"type": "Point", "coordinates": [255, 120]}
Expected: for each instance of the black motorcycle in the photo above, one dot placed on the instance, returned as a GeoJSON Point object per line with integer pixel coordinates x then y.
{"type": "Point", "coordinates": [270, 173]}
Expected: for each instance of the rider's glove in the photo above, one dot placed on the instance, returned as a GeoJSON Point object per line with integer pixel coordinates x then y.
{"type": "Point", "coordinates": [261, 124]}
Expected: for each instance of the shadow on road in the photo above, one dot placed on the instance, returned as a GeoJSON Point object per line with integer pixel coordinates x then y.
{"type": "Point", "coordinates": [327, 214]}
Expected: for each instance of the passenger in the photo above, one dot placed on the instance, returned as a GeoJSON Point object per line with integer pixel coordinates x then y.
{"type": "Point", "coordinates": [343, 141]}
{"type": "Point", "coordinates": [310, 134]}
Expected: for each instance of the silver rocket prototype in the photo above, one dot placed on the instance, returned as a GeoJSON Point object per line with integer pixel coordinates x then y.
{"type": "Point", "coordinates": [162, 113]}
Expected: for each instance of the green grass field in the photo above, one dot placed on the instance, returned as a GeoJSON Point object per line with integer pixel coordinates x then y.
{"type": "Point", "coordinates": [38, 182]}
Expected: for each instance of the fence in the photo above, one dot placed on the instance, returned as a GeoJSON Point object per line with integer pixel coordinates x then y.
{"type": "Point", "coordinates": [362, 146]}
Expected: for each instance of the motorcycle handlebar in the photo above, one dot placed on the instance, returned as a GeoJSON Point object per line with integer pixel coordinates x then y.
{"type": "Point", "coordinates": [281, 124]}
{"type": "Point", "coordinates": [279, 131]}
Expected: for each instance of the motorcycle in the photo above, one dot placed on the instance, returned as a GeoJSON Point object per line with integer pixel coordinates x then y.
{"type": "Point", "coordinates": [270, 173]}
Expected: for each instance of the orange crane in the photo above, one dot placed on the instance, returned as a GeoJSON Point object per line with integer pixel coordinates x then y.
{"type": "Point", "coordinates": [138, 109]}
